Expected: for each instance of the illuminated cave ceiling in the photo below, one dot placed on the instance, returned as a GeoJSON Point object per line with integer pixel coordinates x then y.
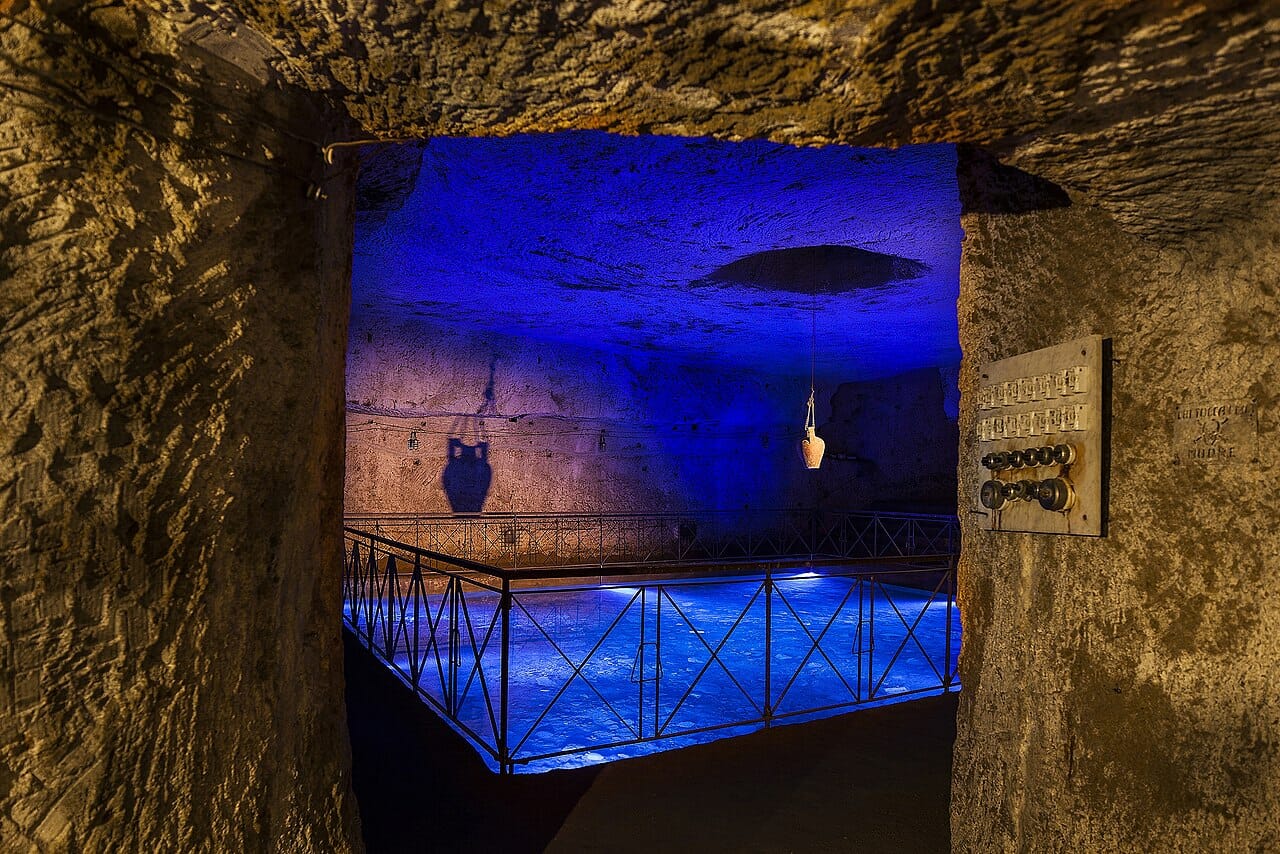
{"type": "Point", "coordinates": [710, 252]}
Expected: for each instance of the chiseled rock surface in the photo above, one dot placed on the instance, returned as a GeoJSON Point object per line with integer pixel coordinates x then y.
{"type": "Point", "coordinates": [563, 428]}
{"type": "Point", "coordinates": [1161, 111]}
{"type": "Point", "coordinates": [1119, 692]}
{"type": "Point", "coordinates": [171, 339]}
{"type": "Point", "coordinates": [172, 380]}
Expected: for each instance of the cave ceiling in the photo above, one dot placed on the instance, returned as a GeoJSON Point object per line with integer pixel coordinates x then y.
{"type": "Point", "coordinates": [1160, 112]}
{"type": "Point", "coordinates": [711, 252]}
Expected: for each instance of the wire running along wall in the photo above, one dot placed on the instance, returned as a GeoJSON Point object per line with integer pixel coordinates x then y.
{"type": "Point", "coordinates": [542, 668]}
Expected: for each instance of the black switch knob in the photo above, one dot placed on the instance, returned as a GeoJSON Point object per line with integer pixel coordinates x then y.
{"type": "Point", "coordinates": [1031, 458]}
{"type": "Point", "coordinates": [1015, 459]}
{"type": "Point", "coordinates": [1021, 490]}
{"type": "Point", "coordinates": [1045, 455]}
{"type": "Point", "coordinates": [1056, 494]}
{"type": "Point", "coordinates": [1000, 460]}
{"type": "Point", "coordinates": [1064, 455]}
{"type": "Point", "coordinates": [989, 462]}
{"type": "Point", "coordinates": [992, 497]}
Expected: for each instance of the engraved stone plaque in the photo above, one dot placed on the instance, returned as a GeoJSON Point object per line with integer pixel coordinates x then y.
{"type": "Point", "coordinates": [1216, 432]}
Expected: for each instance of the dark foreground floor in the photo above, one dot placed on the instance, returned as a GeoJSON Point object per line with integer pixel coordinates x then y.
{"type": "Point", "coordinates": [877, 780]}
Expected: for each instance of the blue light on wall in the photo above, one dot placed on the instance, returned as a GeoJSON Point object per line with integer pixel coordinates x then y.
{"type": "Point", "coordinates": [709, 251]}
{"type": "Point", "coordinates": [656, 292]}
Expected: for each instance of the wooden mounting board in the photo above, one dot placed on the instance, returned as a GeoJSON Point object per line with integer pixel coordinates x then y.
{"type": "Point", "coordinates": [1047, 397]}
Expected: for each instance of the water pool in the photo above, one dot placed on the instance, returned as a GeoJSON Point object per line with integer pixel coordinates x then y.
{"type": "Point", "coordinates": [580, 673]}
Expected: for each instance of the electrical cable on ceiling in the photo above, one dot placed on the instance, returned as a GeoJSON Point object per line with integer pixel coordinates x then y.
{"type": "Point", "coordinates": [158, 136]}
{"type": "Point", "coordinates": [328, 150]}
{"type": "Point", "coordinates": [134, 75]}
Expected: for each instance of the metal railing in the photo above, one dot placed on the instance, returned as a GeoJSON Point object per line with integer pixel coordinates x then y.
{"type": "Point", "coordinates": [531, 673]}
{"type": "Point", "coordinates": [613, 539]}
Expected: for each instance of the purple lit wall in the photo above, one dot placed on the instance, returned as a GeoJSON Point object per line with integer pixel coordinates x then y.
{"type": "Point", "coordinates": [641, 307]}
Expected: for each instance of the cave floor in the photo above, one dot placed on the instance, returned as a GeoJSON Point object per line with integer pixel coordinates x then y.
{"type": "Point", "coordinates": [876, 780]}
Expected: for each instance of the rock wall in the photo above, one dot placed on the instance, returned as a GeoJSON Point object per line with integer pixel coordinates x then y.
{"type": "Point", "coordinates": [536, 426]}
{"type": "Point", "coordinates": [891, 445]}
{"type": "Point", "coordinates": [172, 329]}
{"type": "Point", "coordinates": [503, 424]}
{"type": "Point", "coordinates": [1119, 693]}
{"type": "Point", "coordinates": [1153, 108]}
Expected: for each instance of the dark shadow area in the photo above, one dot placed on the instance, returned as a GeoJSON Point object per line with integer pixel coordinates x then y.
{"type": "Point", "coordinates": [816, 270]}
{"type": "Point", "coordinates": [875, 780]}
{"type": "Point", "coordinates": [467, 474]}
{"type": "Point", "coordinates": [988, 186]}
{"type": "Point", "coordinates": [388, 174]}
{"type": "Point", "coordinates": [422, 788]}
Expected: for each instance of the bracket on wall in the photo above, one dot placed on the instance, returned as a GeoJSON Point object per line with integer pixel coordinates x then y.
{"type": "Point", "coordinates": [1043, 431]}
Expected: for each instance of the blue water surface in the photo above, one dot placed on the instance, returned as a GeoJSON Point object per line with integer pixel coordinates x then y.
{"type": "Point", "coordinates": [599, 673]}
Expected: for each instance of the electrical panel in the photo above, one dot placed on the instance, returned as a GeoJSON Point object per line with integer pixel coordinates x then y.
{"type": "Point", "coordinates": [1041, 440]}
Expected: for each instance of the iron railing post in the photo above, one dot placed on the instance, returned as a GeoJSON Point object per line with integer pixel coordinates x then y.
{"type": "Point", "coordinates": [503, 756]}
{"type": "Point", "coordinates": [951, 578]}
{"type": "Point", "coordinates": [640, 681]}
{"type": "Point", "coordinates": [768, 648]}
{"type": "Point", "coordinates": [857, 637]}
{"type": "Point", "coordinates": [415, 650]}
{"type": "Point", "coordinates": [371, 582]}
{"type": "Point", "coordinates": [871, 643]}
{"type": "Point", "coordinates": [391, 595]}
{"type": "Point", "coordinates": [454, 641]}
{"type": "Point", "coordinates": [657, 663]}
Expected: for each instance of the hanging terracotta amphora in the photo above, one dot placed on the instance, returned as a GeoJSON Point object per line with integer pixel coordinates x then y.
{"type": "Point", "coordinates": [812, 445]}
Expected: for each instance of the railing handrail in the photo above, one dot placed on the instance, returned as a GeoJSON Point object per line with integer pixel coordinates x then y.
{"type": "Point", "coordinates": [636, 514]}
{"type": "Point", "coordinates": [442, 641]}
{"type": "Point", "coordinates": [501, 544]}
{"type": "Point", "coordinates": [462, 562]}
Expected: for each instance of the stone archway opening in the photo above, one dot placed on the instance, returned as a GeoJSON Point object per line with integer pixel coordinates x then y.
{"type": "Point", "coordinates": [625, 324]}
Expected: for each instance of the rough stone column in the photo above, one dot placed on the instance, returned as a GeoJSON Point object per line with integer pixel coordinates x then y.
{"type": "Point", "coordinates": [1120, 694]}
{"type": "Point", "coordinates": [172, 328]}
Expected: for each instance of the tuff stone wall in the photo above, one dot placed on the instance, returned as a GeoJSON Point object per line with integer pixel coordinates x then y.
{"type": "Point", "coordinates": [676, 436]}
{"type": "Point", "coordinates": [1119, 693]}
{"type": "Point", "coordinates": [1155, 109]}
{"type": "Point", "coordinates": [172, 322]}
{"type": "Point", "coordinates": [158, 301]}
{"type": "Point", "coordinates": [892, 445]}
{"type": "Point", "coordinates": [562, 428]}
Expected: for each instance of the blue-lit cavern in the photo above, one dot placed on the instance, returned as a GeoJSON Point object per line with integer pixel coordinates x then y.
{"type": "Point", "coordinates": [584, 337]}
